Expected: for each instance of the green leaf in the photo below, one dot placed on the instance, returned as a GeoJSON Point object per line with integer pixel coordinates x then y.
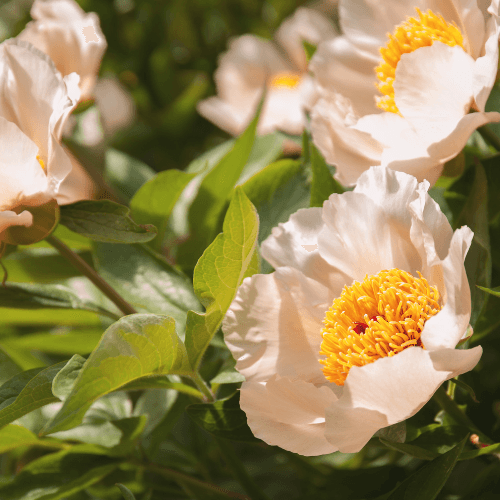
{"type": "Point", "coordinates": [27, 296]}
{"type": "Point", "coordinates": [136, 346]}
{"type": "Point", "coordinates": [65, 380]}
{"type": "Point", "coordinates": [27, 392]}
{"type": "Point", "coordinates": [210, 202]}
{"type": "Point", "coordinates": [154, 201]}
{"type": "Point", "coordinates": [428, 481]}
{"type": "Point", "coordinates": [492, 449]}
{"type": "Point", "coordinates": [13, 436]}
{"type": "Point", "coordinates": [220, 271]}
{"type": "Point", "coordinates": [410, 449]}
{"type": "Point", "coordinates": [396, 432]}
{"type": "Point", "coordinates": [105, 221]}
{"type": "Point", "coordinates": [124, 173]}
{"type": "Point", "coordinates": [224, 418]}
{"type": "Point", "coordinates": [127, 494]}
{"type": "Point", "coordinates": [58, 476]}
{"type": "Point", "coordinates": [309, 48]}
{"type": "Point", "coordinates": [323, 184]}
{"type": "Point", "coordinates": [492, 291]}
{"type": "Point", "coordinates": [146, 280]}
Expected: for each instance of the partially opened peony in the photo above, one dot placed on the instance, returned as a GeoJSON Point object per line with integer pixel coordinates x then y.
{"type": "Point", "coordinates": [357, 327]}
{"type": "Point", "coordinates": [405, 85]}
{"type": "Point", "coordinates": [70, 37]}
{"type": "Point", "coordinates": [35, 101]}
{"type": "Point", "coordinates": [252, 64]}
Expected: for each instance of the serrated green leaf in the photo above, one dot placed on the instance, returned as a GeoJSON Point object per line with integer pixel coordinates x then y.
{"type": "Point", "coordinates": [136, 346]}
{"type": "Point", "coordinates": [206, 210]}
{"type": "Point", "coordinates": [105, 221]}
{"type": "Point", "coordinates": [145, 280]}
{"type": "Point", "coordinates": [58, 476]}
{"type": "Point", "coordinates": [27, 392]}
{"type": "Point", "coordinates": [154, 201]}
{"type": "Point", "coordinates": [220, 271]}
{"type": "Point", "coordinates": [27, 296]}
{"type": "Point", "coordinates": [224, 418]}
{"type": "Point", "coordinates": [323, 184]}
{"type": "Point", "coordinates": [127, 494]}
{"type": "Point", "coordinates": [428, 481]}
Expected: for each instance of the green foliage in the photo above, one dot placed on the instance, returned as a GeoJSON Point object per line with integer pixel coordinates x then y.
{"type": "Point", "coordinates": [134, 347]}
{"type": "Point", "coordinates": [105, 221]}
{"type": "Point", "coordinates": [224, 418]}
{"type": "Point", "coordinates": [127, 494]}
{"type": "Point", "coordinates": [225, 263]}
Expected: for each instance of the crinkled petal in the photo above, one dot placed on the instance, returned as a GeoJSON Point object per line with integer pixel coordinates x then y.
{"type": "Point", "coordinates": [274, 326]}
{"type": "Point", "coordinates": [295, 244]}
{"type": "Point", "coordinates": [363, 237]}
{"type": "Point", "coordinates": [390, 390]}
{"type": "Point", "coordinates": [339, 66]}
{"type": "Point", "coordinates": [447, 327]}
{"type": "Point", "coordinates": [351, 150]}
{"type": "Point", "coordinates": [289, 414]}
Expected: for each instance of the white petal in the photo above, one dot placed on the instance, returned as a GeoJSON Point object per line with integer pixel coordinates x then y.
{"type": "Point", "coordinates": [78, 185]}
{"type": "Point", "coordinates": [9, 218]}
{"type": "Point", "coordinates": [274, 326]}
{"type": "Point", "coordinates": [225, 115]}
{"type": "Point", "coordinates": [340, 66]}
{"type": "Point", "coordinates": [294, 244]}
{"type": "Point", "coordinates": [304, 25]}
{"type": "Point", "coordinates": [390, 390]}
{"type": "Point", "coordinates": [363, 237]}
{"type": "Point", "coordinates": [289, 414]}
{"type": "Point", "coordinates": [447, 327]}
{"type": "Point", "coordinates": [352, 151]}
{"type": "Point", "coordinates": [23, 179]}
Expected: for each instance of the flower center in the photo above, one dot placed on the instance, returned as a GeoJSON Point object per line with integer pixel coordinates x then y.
{"type": "Point", "coordinates": [408, 37]}
{"type": "Point", "coordinates": [42, 163]}
{"type": "Point", "coordinates": [376, 318]}
{"type": "Point", "coordinates": [284, 81]}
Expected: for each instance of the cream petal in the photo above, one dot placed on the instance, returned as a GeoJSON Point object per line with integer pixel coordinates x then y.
{"type": "Point", "coordinates": [351, 150]}
{"type": "Point", "coordinates": [274, 326]}
{"type": "Point", "coordinates": [339, 66]}
{"type": "Point", "coordinates": [367, 22]}
{"type": "Point", "coordinates": [304, 25]}
{"type": "Point", "coordinates": [289, 414]}
{"type": "Point", "coordinates": [447, 327]}
{"type": "Point", "coordinates": [434, 84]}
{"type": "Point", "coordinates": [9, 218]}
{"type": "Point", "coordinates": [390, 390]}
{"type": "Point", "coordinates": [294, 244]}
{"type": "Point", "coordinates": [485, 69]}
{"type": "Point", "coordinates": [224, 115]}
{"type": "Point", "coordinates": [77, 186]}
{"type": "Point", "coordinates": [23, 178]}
{"type": "Point", "coordinates": [467, 16]}
{"type": "Point", "coordinates": [360, 236]}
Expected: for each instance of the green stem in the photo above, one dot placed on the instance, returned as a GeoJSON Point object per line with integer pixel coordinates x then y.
{"type": "Point", "coordinates": [90, 273]}
{"type": "Point", "coordinates": [202, 387]}
{"type": "Point", "coordinates": [185, 480]}
{"type": "Point", "coordinates": [489, 136]}
{"type": "Point", "coordinates": [453, 410]}
{"type": "Point", "coordinates": [238, 470]}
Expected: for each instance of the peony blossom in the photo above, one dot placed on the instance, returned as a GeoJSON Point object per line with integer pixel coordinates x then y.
{"type": "Point", "coordinates": [35, 101]}
{"type": "Point", "coordinates": [252, 63]}
{"type": "Point", "coordinates": [70, 37]}
{"type": "Point", "coordinates": [405, 85]}
{"type": "Point", "coordinates": [357, 327]}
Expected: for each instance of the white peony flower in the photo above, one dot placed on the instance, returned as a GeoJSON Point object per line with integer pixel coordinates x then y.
{"type": "Point", "coordinates": [252, 63]}
{"type": "Point", "coordinates": [398, 86]}
{"type": "Point", "coordinates": [374, 282]}
{"type": "Point", "coordinates": [35, 101]}
{"type": "Point", "coordinates": [70, 37]}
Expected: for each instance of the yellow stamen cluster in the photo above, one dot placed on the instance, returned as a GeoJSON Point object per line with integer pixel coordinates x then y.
{"type": "Point", "coordinates": [42, 163]}
{"type": "Point", "coordinates": [408, 37]}
{"type": "Point", "coordinates": [284, 81]}
{"type": "Point", "coordinates": [376, 318]}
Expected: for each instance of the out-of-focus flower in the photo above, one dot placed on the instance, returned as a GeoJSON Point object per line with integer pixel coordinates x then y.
{"type": "Point", "coordinates": [35, 101]}
{"type": "Point", "coordinates": [374, 282]}
{"type": "Point", "coordinates": [403, 100]}
{"type": "Point", "coordinates": [70, 37]}
{"type": "Point", "coordinates": [252, 64]}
